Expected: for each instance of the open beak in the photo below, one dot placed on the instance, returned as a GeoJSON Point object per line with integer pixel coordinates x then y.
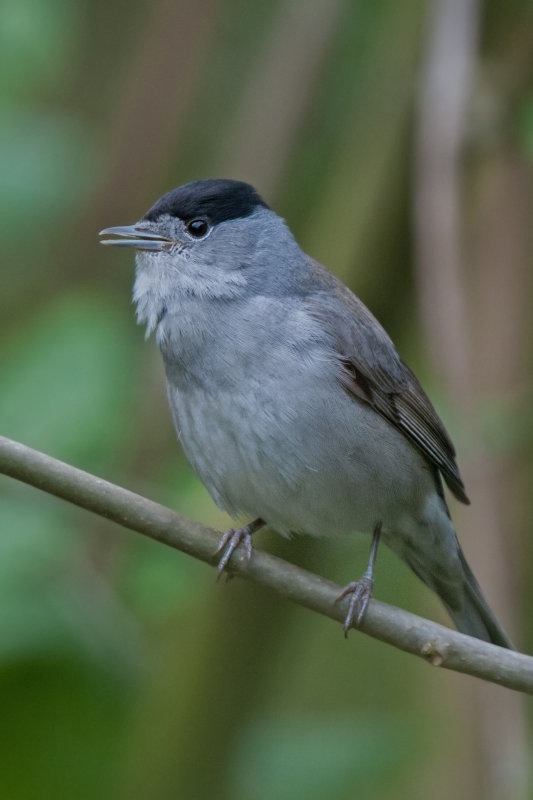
{"type": "Point", "coordinates": [136, 236]}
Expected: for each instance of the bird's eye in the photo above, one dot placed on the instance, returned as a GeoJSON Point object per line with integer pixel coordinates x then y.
{"type": "Point", "coordinates": [197, 227]}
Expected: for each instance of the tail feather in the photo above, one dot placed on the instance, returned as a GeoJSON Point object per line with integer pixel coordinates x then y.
{"type": "Point", "coordinates": [472, 614]}
{"type": "Point", "coordinates": [465, 604]}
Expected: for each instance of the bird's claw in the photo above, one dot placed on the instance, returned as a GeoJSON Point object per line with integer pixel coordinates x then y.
{"type": "Point", "coordinates": [230, 541]}
{"type": "Point", "coordinates": [360, 593]}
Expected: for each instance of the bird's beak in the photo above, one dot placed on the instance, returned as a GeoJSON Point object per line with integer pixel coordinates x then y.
{"type": "Point", "coordinates": [136, 236]}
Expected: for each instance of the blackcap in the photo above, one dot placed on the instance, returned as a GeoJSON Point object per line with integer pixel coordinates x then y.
{"type": "Point", "coordinates": [289, 398]}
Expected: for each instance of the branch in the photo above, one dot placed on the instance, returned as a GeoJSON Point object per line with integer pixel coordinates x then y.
{"type": "Point", "coordinates": [438, 645]}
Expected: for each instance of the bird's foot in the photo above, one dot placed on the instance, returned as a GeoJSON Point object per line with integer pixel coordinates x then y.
{"type": "Point", "coordinates": [360, 593]}
{"type": "Point", "coordinates": [231, 539]}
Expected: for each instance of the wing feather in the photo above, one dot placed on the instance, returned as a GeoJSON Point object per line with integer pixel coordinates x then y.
{"type": "Point", "coordinates": [373, 372]}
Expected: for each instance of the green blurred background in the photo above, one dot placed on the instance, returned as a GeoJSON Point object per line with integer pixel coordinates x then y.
{"type": "Point", "coordinates": [397, 140]}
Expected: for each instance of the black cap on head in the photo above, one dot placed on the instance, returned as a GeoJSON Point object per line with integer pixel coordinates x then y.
{"type": "Point", "coordinates": [216, 199]}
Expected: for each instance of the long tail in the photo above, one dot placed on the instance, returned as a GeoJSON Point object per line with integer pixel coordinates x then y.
{"type": "Point", "coordinates": [465, 603]}
{"type": "Point", "coordinates": [471, 612]}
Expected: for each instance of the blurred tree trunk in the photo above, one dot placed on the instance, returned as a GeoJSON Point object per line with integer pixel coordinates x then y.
{"type": "Point", "coordinates": [473, 288]}
{"type": "Point", "coordinates": [273, 105]}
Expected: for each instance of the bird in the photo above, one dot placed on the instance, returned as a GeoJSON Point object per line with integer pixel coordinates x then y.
{"type": "Point", "coordinates": [288, 397]}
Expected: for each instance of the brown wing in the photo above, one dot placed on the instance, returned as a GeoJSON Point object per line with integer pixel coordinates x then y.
{"type": "Point", "coordinates": [373, 372]}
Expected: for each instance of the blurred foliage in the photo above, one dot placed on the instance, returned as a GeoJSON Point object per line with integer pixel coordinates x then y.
{"type": "Point", "coordinates": [124, 670]}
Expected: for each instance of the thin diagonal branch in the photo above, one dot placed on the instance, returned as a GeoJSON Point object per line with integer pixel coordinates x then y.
{"type": "Point", "coordinates": [438, 645]}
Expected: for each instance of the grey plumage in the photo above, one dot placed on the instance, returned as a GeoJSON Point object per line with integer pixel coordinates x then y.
{"type": "Point", "coordinates": [288, 397]}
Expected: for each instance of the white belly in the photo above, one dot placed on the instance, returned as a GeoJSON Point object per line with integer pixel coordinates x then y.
{"type": "Point", "coordinates": [297, 463]}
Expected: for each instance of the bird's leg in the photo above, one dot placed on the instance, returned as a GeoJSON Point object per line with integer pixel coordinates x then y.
{"type": "Point", "coordinates": [360, 591]}
{"type": "Point", "coordinates": [232, 538]}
